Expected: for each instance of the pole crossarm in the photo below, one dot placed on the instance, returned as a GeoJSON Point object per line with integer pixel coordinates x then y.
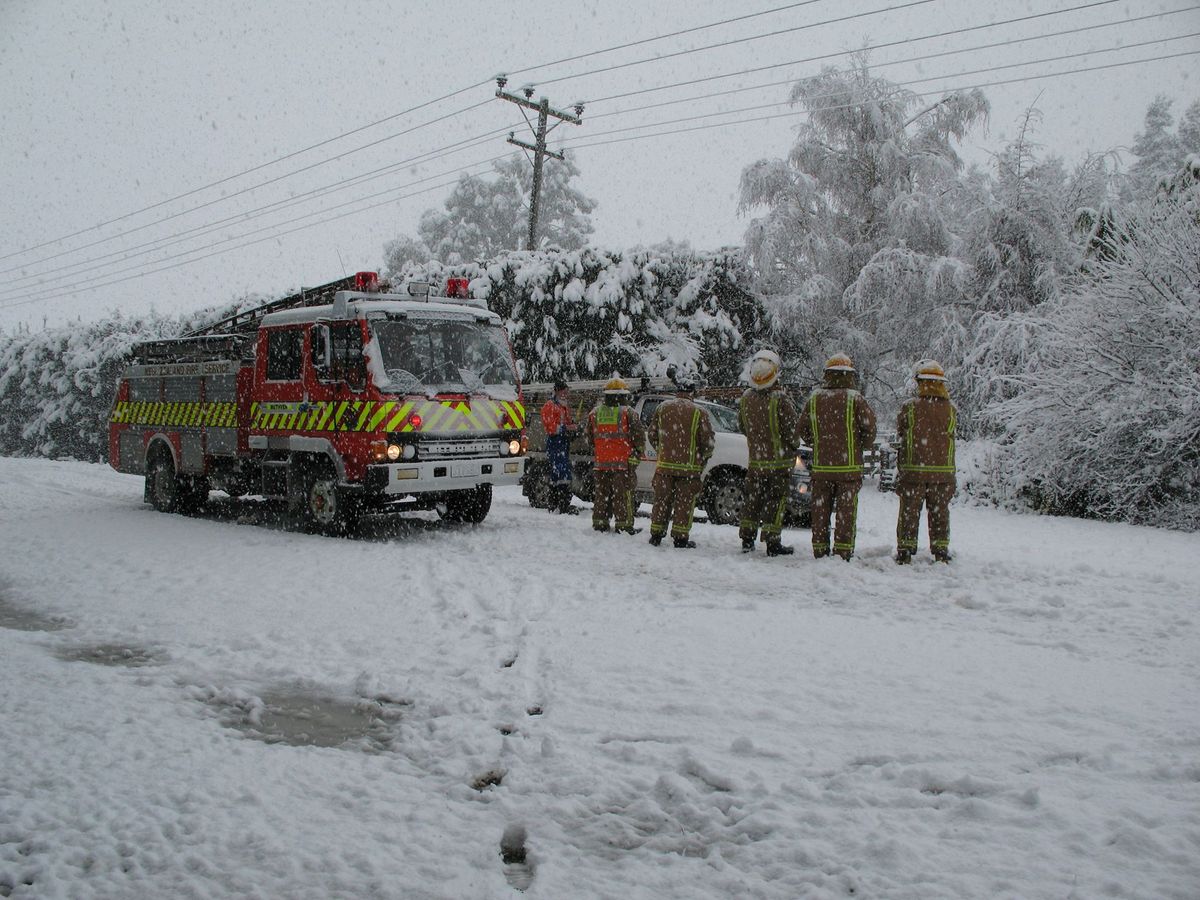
{"type": "Point", "coordinates": [536, 106]}
{"type": "Point", "coordinates": [557, 154]}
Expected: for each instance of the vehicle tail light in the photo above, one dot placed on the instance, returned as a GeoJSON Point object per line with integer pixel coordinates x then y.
{"type": "Point", "coordinates": [524, 442]}
{"type": "Point", "coordinates": [379, 451]}
{"type": "Point", "coordinates": [415, 420]}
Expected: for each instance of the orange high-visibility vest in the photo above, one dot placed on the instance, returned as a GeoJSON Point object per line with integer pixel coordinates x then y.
{"type": "Point", "coordinates": [613, 443]}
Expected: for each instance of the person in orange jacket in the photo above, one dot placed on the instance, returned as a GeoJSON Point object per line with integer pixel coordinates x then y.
{"type": "Point", "coordinates": [617, 436]}
{"type": "Point", "coordinates": [560, 428]}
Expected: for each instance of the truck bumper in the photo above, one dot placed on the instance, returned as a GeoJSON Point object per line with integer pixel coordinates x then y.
{"type": "Point", "coordinates": [443, 475]}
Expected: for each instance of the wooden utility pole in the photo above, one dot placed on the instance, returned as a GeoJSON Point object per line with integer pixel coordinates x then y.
{"type": "Point", "coordinates": [538, 147]}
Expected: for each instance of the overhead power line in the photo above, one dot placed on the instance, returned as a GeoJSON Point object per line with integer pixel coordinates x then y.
{"type": "Point", "coordinates": [744, 40]}
{"type": "Point", "coordinates": [662, 37]}
{"type": "Point", "coordinates": [243, 191]}
{"type": "Point", "coordinates": [248, 171]}
{"type": "Point", "coordinates": [160, 243]}
{"type": "Point", "coordinates": [590, 142]}
{"type": "Point", "coordinates": [628, 138]}
{"type": "Point", "coordinates": [904, 41]}
{"type": "Point", "coordinates": [327, 141]}
{"type": "Point", "coordinates": [940, 91]}
{"type": "Point", "coordinates": [1014, 65]}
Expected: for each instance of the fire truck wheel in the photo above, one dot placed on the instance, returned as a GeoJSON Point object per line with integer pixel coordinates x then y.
{"type": "Point", "coordinates": [325, 508]}
{"type": "Point", "coordinates": [470, 506]}
{"type": "Point", "coordinates": [162, 487]}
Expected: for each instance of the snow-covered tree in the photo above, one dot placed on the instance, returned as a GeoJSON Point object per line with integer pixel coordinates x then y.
{"type": "Point", "coordinates": [486, 216]}
{"type": "Point", "coordinates": [1017, 247]}
{"type": "Point", "coordinates": [1106, 420]}
{"type": "Point", "coordinates": [864, 194]}
{"type": "Point", "coordinates": [1189, 129]}
{"type": "Point", "coordinates": [1157, 149]}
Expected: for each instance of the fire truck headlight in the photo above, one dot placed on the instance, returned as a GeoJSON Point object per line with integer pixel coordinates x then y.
{"type": "Point", "coordinates": [514, 447]}
{"type": "Point", "coordinates": [410, 451]}
{"type": "Point", "coordinates": [503, 448]}
{"type": "Point", "coordinates": [393, 452]}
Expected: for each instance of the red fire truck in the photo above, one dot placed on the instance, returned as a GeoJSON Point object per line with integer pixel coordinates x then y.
{"type": "Point", "coordinates": [337, 399]}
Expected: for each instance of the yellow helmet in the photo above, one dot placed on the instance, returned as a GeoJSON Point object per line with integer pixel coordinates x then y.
{"type": "Point", "coordinates": [616, 386]}
{"type": "Point", "coordinates": [929, 370]}
{"type": "Point", "coordinates": [839, 362]}
{"type": "Point", "coordinates": [764, 369]}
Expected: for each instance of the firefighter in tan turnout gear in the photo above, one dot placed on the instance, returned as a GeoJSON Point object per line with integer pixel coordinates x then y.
{"type": "Point", "coordinates": [925, 431]}
{"type": "Point", "coordinates": [769, 421]}
{"type": "Point", "coordinates": [837, 422]}
{"type": "Point", "coordinates": [683, 437]}
{"type": "Point", "coordinates": [617, 436]}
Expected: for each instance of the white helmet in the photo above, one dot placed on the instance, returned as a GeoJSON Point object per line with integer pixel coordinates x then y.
{"type": "Point", "coordinates": [764, 369]}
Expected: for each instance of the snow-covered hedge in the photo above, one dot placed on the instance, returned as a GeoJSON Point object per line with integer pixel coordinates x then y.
{"type": "Point", "coordinates": [591, 312]}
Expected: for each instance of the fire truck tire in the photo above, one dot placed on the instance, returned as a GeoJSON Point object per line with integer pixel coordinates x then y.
{"type": "Point", "coordinates": [470, 506]}
{"type": "Point", "coordinates": [323, 506]}
{"type": "Point", "coordinates": [162, 487]}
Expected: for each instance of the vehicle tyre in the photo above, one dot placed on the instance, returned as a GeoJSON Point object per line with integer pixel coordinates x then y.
{"type": "Point", "coordinates": [537, 485]}
{"type": "Point", "coordinates": [724, 498]}
{"type": "Point", "coordinates": [469, 506]}
{"type": "Point", "coordinates": [162, 487]}
{"type": "Point", "coordinates": [323, 506]}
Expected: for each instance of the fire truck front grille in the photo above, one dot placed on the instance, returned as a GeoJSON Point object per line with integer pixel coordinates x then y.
{"type": "Point", "coordinates": [449, 448]}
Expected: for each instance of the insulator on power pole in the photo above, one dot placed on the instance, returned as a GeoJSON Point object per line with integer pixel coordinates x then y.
{"type": "Point", "coordinates": [501, 80]}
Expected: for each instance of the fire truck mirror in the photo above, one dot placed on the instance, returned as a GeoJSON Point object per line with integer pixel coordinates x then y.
{"type": "Point", "coordinates": [320, 348]}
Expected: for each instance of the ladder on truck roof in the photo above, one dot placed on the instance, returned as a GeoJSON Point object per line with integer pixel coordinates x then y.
{"type": "Point", "coordinates": [247, 321]}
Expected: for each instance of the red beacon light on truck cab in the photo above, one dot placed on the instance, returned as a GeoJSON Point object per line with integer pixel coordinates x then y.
{"type": "Point", "coordinates": [458, 287]}
{"type": "Point", "coordinates": [367, 282]}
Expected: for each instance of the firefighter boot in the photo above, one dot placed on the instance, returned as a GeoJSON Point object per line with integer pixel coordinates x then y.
{"type": "Point", "coordinates": [777, 548]}
{"type": "Point", "coordinates": [655, 539]}
{"type": "Point", "coordinates": [628, 529]}
{"type": "Point", "coordinates": [682, 543]}
{"type": "Point", "coordinates": [903, 557]}
{"type": "Point", "coordinates": [942, 556]}
{"type": "Point", "coordinates": [747, 545]}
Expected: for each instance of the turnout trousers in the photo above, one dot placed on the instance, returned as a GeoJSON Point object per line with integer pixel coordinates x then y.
{"type": "Point", "coordinates": [935, 496]}
{"type": "Point", "coordinates": [827, 496]}
{"type": "Point", "coordinates": [675, 496]}
{"type": "Point", "coordinates": [612, 496]}
{"type": "Point", "coordinates": [764, 504]}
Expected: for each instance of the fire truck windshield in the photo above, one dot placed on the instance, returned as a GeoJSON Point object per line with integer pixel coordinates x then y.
{"type": "Point", "coordinates": [445, 356]}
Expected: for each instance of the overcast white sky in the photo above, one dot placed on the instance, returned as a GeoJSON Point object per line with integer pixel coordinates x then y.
{"type": "Point", "coordinates": [111, 107]}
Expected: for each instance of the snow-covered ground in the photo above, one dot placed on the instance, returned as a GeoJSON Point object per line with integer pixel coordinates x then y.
{"type": "Point", "coordinates": [653, 723]}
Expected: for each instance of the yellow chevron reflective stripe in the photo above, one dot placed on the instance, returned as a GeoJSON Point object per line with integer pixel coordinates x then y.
{"type": "Point", "coordinates": [447, 416]}
{"type": "Point", "coordinates": [182, 414]}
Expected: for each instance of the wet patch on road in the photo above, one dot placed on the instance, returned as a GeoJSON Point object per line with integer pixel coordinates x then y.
{"type": "Point", "coordinates": [303, 718]}
{"type": "Point", "coordinates": [125, 655]}
{"type": "Point", "coordinates": [19, 618]}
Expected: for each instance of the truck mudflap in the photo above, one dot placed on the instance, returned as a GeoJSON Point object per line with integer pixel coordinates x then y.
{"type": "Point", "coordinates": [443, 475]}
